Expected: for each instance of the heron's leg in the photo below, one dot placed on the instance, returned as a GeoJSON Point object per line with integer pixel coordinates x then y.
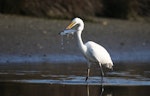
{"type": "Point", "coordinates": [102, 73]}
{"type": "Point", "coordinates": [88, 71]}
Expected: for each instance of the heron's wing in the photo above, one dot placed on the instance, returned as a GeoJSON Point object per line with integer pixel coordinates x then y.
{"type": "Point", "coordinates": [92, 52]}
{"type": "Point", "coordinates": [97, 53]}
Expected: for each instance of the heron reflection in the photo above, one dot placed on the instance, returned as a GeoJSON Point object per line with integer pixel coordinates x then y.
{"type": "Point", "coordinates": [100, 92]}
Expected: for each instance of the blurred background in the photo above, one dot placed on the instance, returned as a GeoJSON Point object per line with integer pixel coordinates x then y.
{"type": "Point", "coordinates": [122, 9]}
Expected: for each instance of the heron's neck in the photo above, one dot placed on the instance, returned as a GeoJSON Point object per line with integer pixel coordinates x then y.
{"type": "Point", "coordinates": [80, 42]}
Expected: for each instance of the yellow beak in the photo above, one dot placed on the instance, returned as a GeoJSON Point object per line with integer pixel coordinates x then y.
{"type": "Point", "coordinates": [70, 25]}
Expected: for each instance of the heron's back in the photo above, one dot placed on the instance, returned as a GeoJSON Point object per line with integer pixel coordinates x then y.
{"type": "Point", "coordinates": [97, 53]}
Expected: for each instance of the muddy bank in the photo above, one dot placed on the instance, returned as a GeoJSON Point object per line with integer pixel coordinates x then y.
{"type": "Point", "coordinates": [126, 41]}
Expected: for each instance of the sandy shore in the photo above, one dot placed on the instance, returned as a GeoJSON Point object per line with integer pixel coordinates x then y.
{"type": "Point", "coordinates": [27, 36]}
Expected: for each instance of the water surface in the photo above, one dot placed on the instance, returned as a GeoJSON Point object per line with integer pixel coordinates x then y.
{"type": "Point", "coordinates": [68, 78]}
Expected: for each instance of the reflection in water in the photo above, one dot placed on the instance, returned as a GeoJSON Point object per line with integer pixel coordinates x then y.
{"type": "Point", "coordinates": [101, 91]}
{"type": "Point", "coordinates": [117, 90]}
{"type": "Point", "coordinates": [62, 42]}
{"type": "Point", "coordinates": [30, 89]}
{"type": "Point", "coordinates": [68, 79]}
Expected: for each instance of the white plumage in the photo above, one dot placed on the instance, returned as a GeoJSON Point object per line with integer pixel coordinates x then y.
{"type": "Point", "coordinates": [93, 52]}
{"type": "Point", "coordinates": [97, 53]}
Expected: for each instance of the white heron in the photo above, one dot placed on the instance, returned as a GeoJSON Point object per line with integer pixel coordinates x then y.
{"type": "Point", "coordinates": [93, 52]}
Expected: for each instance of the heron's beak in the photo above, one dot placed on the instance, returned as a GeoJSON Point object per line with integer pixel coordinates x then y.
{"type": "Point", "coordinates": [71, 25]}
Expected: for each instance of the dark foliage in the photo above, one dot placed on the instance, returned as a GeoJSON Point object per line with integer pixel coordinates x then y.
{"type": "Point", "coordinates": [83, 8]}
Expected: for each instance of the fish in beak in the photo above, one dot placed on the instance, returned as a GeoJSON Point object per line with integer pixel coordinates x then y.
{"type": "Point", "coordinates": [68, 29]}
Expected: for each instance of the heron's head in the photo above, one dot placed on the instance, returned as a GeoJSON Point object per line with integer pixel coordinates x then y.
{"type": "Point", "coordinates": [76, 21]}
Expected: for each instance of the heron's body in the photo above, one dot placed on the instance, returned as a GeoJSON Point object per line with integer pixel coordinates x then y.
{"type": "Point", "coordinates": [92, 51]}
{"type": "Point", "coordinates": [97, 53]}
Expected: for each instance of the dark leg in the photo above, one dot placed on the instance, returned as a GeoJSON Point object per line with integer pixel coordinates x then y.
{"type": "Point", "coordinates": [88, 70]}
{"type": "Point", "coordinates": [88, 73]}
{"type": "Point", "coordinates": [102, 73]}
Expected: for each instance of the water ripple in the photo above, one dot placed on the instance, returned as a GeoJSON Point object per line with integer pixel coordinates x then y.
{"type": "Point", "coordinates": [80, 80]}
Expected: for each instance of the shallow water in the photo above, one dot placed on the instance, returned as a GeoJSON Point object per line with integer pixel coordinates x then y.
{"type": "Point", "coordinates": [68, 78]}
{"type": "Point", "coordinates": [27, 89]}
